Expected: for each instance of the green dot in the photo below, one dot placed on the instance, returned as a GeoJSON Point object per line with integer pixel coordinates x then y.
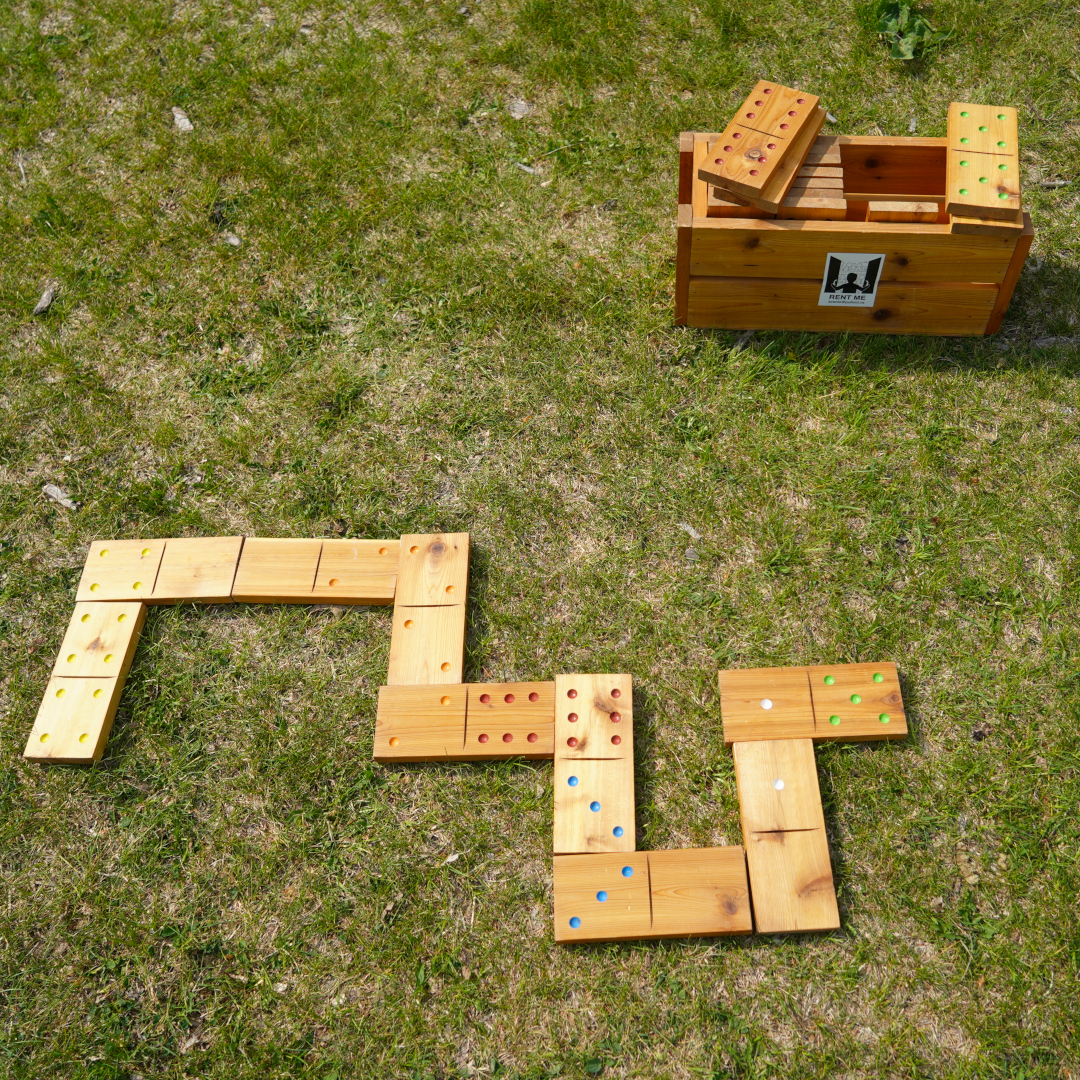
{"type": "Point", "coordinates": [884, 717]}
{"type": "Point", "coordinates": [963, 191]}
{"type": "Point", "coordinates": [878, 677]}
{"type": "Point", "coordinates": [1001, 116]}
{"type": "Point", "coordinates": [1001, 143]}
{"type": "Point", "coordinates": [1003, 194]}
{"type": "Point", "coordinates": [834, 719]}
{"type": "Point", "coordinates": [983, 180]}
{"type": "Point", "coordinates": [965, 141]}
{"type": "Point", "coordinates": [855, 699]}
{"type": "Point", "coordinates": [965, 113]}
{"type": "Point", "coordinates": [982, 127]}
{"type": "Point", "coordinates": [962, 162]}
{"type": "Point", "coordinates": [1003, 167]}
{"type": "Point", "coordinates": [829, 680]}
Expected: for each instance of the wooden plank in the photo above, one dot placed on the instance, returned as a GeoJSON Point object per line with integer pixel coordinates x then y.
{"type": "Point", "coordinates": [433, 569]}
{"type": "Point", "coordinates": [700, 189]}
{"type": "Point", "coordinates": [900, 308]}
{"type": "Point", "coordinates": [806, 207]}
{"type": "Point", "coordinates": [718, 206]}
{"type": "Point", "coordinates": [766, 703]}
{"type": "Point", "coordinates": [601, 897]}
{"type": "Point", "coordinates": [885, 196]}
{"type": "Point", "coordinates": [420, 723]}
{"type": "Point", "coordinates": [791, 882]}
{"type": "Point", "coordinates": [197, 568]}
{"type": "Point", "coordinates": [510, 720]}
{"type": "Point", "coordinates": [983, 185]}
{"type": "Point", "coordinates": [772, 194]}
{"type": "Point", "coordinates": [594, 717]}
{"type": "Point", "coordinates": [798, 249]}
{"type": "Point", "coordinates": [825, 150]}
{"type": "Point", "coordinates": [743, 160]}
{"type": "Point", "coordinates": [276, 571]}
{"type": "Point", "coordinates": [784, 834]}
{"type": "Point", "coordinates": [820, 172]}
{"type": "Point", "coordinates": [857, 702]}
{"type": "Point", "coordinates": [1020, 253]}
{"type": "Point", "coordinates": [684, 235]}
{"type": "Point", "coordinates": [686, 167]}
{"type": "Point", "coordinates": [101, 639]}
{"type": "Point", "coordinates": [357, 572]}
{"type": "Point", "coordinates": [903, 211]}
{"type": "Point", "coordinates": [74, 720]}
{"type": "Point", "coordinates": [427, 646]}
{"type": "Point", "coordinates": [120, 570]}
{"type": "Point", "coordinates": [778, 785]}
{"type": "Point", "coordinates": [901, 166]}
{"type": "Point", "coordinates": [699, 892]}
{"type": "Point", "coordinates": [983, 129]}
{"type": "Point", "coordinates": [968, 226]}
{"type": "Point", "coordinates": [816, 183]}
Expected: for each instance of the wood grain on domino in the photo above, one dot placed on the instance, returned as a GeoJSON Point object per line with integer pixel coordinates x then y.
{"type": "Point", "coordinates": [420, 723]}
{"type": "Point", "coordinates": [100, 640]}
{"type": "Point", "coordinates": [197, 568]}
{"type": "Point", "coordinates": [766, 703]}
{"type": "Point", "coordinates": [510, 720]}
{"type": "Point", "coordinates": [433, 570]}
{"type": "Point", "coordinates": [427, 646]}
{"type": "Point", "coordinates": [120, 570]}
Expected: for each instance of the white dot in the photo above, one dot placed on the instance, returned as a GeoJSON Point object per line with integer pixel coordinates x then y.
{"type": "Point", "coordinates": [778, 784]}
{"type": "Point", "coordinates": [766, 703]}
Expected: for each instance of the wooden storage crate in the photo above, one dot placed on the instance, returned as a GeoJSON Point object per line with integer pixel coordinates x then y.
{"type": "Point", "coordinates": [741, 268]}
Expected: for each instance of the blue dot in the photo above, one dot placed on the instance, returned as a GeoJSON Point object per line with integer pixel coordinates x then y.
{"type": "Point", "coordinates": [618, 830]}
{"type": "Point", "coordinates": [627, 871]}
{"type": "Point", "coordinates": [601, 896]}
{"type": "Point", "coordinates": [572, 781]}
{"type": "Point", "coordinates": [594, 806]}
{"type": "Point", "coordinates": [575, 922]}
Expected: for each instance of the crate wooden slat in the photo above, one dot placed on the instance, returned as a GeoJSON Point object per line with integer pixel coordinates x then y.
{"type": "Point", "coordinates": [923, 212]}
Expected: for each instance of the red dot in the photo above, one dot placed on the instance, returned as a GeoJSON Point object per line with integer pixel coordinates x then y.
{"type": "Point", "coordinates": [532, 736]}
{"type": "Point", "coordinates": [571, 693]}
{"type": "Point", "coordinates": [719, 161]}
{"type": "Point", "coordinates": [616, 692]}
{"type": "Point", "coordinates": [800, 101]}
{"type": "Point", "coordinates": [508, 737]}
{"type": "Point", "coordinates": [771, 146]}
{"type": "Point", "coordinates": [783, 127]}
{"type": "Point", "coordinates": [616, 717]}
{"type": "Point", "coordinates": [572, 718]}
{"type": "Point", "coordinates": [793, 113]}
{"type": "Point", "coordinates": [482, 738]}
{"type": "Point", "coordinates": [534, 696]}
{"type": "Point", "coordinates": [753, 172]}
{"type": "Point", "coordinates": [767, 91]}
{"type": "Point", "coordinates": [737, 135]}
{"type": "Point", "coordinates": [485, 698]}
{"type": "Point", "coordinates": [571, 742]}
{"type": "Point", "coordinates": [750, 115]}
{"type": "Point", "coordinates": [509, 699]}
{"type": "Point", "coordinates": [759, 102]}
{"type": "Point", "coordinates": [616, 739]}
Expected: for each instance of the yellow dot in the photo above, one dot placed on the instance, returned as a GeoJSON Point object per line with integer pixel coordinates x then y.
{"type": "Point", "coordinates": [108, 658]}
{"type": "Point", "coordinates": [85, 618]}
{"type": "Point", "coordinates": [94, 587]}
{"type": "Point", "coordinates": [71, 659]}
{"type": "Point", "coordinates": [413, 550]}
{"type": "Point", "coordinates": [445, 699]}
{"type": "Point", "coordinates": [83, 737]}
{"type": "Point", "coordinates": [98, 692]}
{"type": "Point", "coordinates": [333, 581]}
{"type": "Point", "coordinates": [382, 551]}
{"type": "Point", "coordinates": [121, 617]}
{"type": "Point", "coordinates": [60, 692]}
{"type": "Point", "coordinates": [145, 551]}
{"type": "Point", "coordinates": [394, 741]}
{"type": "Point", "coordinates": [449, 588]}
{"type": "Point", "coordinates": [446, 666]}
{"type": "Point", "coordinates": [408, 624]}
{"type": "Point", "coordinates": [137, 585]}
{"type": "Point", "coordinates": [44, 737]}
{"type": "Point", "coordinates": [104, 552]}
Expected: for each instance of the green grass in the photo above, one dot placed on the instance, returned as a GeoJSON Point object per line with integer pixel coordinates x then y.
{"type": "Point", "coordinates": [418, 334]}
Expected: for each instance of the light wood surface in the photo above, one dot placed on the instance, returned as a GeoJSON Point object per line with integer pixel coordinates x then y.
{"type": "Point", "coordinates": [791, 882]}
{"type": "Point", "coordinates": [594, 716]}
{"type": "Point", "coordinates": [699, 892]}
{"type": "Point", "coordinates": [926, 212]}
{"type": "Point", "coordinates": [120, 570]}
{"type": "Point", "coordinates": [974, 226]}
{"type": "Point", "coordinates": [778, 785]}
{"type": "Point", "coordinates": [816, 183]}
{"type": "Point", "coordinates": [909, 308]}
{"type": "Point", "coordinates": [197, 568]}
{"type": "Point", "coordinates": [983, 129]}
{"type": "Point", "coordinates": [357, 572]}
{"type": "Point", "coordinates": [510, 720]}
{"type": "Point", "coordinates": [699, 188]}
{"type": "Point", "coordinates": [724, 205]}
{"type": "Point", "coordinates": [820, 171]}
{"type": "Point", "coordinates": [683, 238]}
{"type": "Point", "coordinates": [825, 150]}
{"type": "Point", "coordinates": [784, 833]}
{"type": "Point", "coordinates": [581, 785]}
{"type": "Point", "coordinates": [857, 702]}
{"type": "Point", "coordinates": [100, 640]}
{"type": "Point", "coordinates": [790, 711]}
{"type": "Point", "coordinates": [276, 571]}
{"type": "Point", "coordinates": [983, 185]}
{"type": "Point", "coordinates": [812, 206]}
{"type": "Point", "coordinates": [420, 723]}
{"type": "Point", "coordinates": [427, 646]}
{"type": "Point", "coordinates": [686, 167]}
{"type": "Point", "coordinates": [1012, 276]}
{"type": "Point", "coordinates": [738, 248]}
{"type": "Point", "coordinates": [74, 720]}
{"type": "Point", "coordinates": [773, 193]}
{"type": "Point", "coordinates": [432, 569]}
{"type": "Point", "coordinates": [624, 913]}
{"type": "Point", "coordinates": [901, 166]}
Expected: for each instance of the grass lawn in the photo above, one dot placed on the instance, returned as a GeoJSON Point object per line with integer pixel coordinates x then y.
{"type": "Point", "coordinates": [441, 315]}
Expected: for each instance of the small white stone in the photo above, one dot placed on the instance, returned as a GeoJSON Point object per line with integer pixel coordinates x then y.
{"type": "Point", "coordinates": [778, 784]}
{"type": "Point", "coordinates": [180, 119]}
{"type": "Point", "coordinates": [766, 703]}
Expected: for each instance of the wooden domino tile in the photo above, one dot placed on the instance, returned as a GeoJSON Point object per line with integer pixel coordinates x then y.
{"type": "Point", "coordinates": [857, 702]}
{"type": "Point", "coordinates": [924, 212]}
{"type": "Point", "coordinates": [120, 570]}
{"type": "Point", "coordinates": [594, 764]}
{"type": "Point", "coordinates": [983, 129]}
{"type": "Point", "coordinates": [616, 896]}
{"type": "Point", "coordinates": [982, 170]}
{"type": "Point", "coordinates": [766, 703]}
{"type": "Point", "coordinates": [783, 826]}
{"type": "Point", "coordinates": [198, 568]}
{"type": "Point", "coordinates": [276, 571]}
{"type": "Point", "coordinates": [421, 723]}
{"type": "Point", "coordinates": [74, 720]}
{"type": "Point", "coordinates": [510, 720]}
{"type": "Point", "coordinates": [357, 572]}
{"type": "Point", "coordinates": [427, 646]}
{"type": "Point", "coordinates": [433, 570]}
{"type": "Point", "coordinates": [100, 640]}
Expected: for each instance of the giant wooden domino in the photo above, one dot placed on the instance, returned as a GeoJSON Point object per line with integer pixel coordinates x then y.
{"type": "Point", "coordinates": [604, 888]}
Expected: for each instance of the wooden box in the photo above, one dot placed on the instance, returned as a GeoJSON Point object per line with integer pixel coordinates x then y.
{"type": "Point", "coordinates": [871, 198]}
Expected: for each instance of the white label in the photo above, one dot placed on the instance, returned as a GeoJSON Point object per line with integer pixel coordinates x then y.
{"type": "Point", "coordinates": [851, 279]}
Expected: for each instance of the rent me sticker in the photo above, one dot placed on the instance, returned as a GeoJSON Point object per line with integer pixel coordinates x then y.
{"type": "Point", "coordinates": [851, 279]}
